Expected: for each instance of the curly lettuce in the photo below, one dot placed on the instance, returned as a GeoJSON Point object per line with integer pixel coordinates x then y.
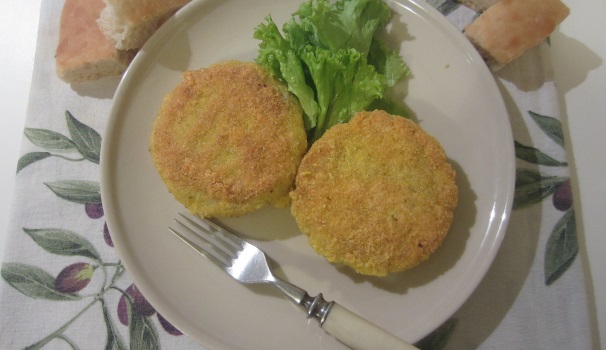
{"type": "Point", "coordinates": [330, 58]}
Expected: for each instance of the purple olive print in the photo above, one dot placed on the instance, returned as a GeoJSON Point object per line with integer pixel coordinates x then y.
{"type": "Point", "coordinates": [74, 278]}
{"type": "Point", "coordinates": [106, 236]}
{"type": "Point", "coordinates": [168, 327]}
{"type": "Point", "coordinates": [94, 210]}
{"type": "Point", "coordinates": [123, 311]}
{"type": "Point", "coordinates": [562, 197]}
{"type": "Point", "coordinates": [140, 305]}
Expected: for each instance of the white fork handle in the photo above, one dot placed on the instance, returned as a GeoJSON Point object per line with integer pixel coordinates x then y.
{"type": "Point", "coordinates": [358, 333]}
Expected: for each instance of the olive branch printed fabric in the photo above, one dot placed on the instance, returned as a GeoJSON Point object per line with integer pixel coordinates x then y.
{"type": "Point", "coordinates": [533, 187]}
{"type": "Point", "coordinates": [63, 285]}
{"type": "Point", "coordinates": [70, 284]}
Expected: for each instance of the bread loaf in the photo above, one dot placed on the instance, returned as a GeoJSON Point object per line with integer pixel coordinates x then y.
{"type": "Point", "coordinates": [129, 23]}
{"type": "Point", "coordinates": [84, 52]}
{"type": "Point", "coordinates": [510, 27]}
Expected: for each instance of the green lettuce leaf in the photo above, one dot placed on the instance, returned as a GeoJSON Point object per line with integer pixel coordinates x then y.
{"type": "Point", "coordinates": [343, 24]}
{"type": "Point", "coordinates": [332, 61]}
{"type": "Point", "coordinates": [276, 54]}
{"type": "Point", "coordinates": [387, 62]}
{"type": "Point", "coordinates": [345, 83]}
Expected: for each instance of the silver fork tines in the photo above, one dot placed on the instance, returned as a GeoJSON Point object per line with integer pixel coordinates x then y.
{"type": "Point", "coordinates": [240, 259]}
{"type": "Point", "coordinates": [243, 261]}
{"type": "Point", "coordinates": [208, 244]}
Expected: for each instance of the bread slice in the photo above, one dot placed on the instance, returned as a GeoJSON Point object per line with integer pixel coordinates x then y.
{"type": "Point", "coordinates": [83, 52]}
{"type": "Point", "coordinates": [129, 23]}
{"type": "Point", "coordinates": [510, 27]}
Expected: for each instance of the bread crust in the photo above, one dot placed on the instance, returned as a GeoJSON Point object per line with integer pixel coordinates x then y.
{"type": "Point", "coordinates": [84, 52]}
{"type": "Point", "coordinates": [376, 194]}
{"type": "Point", "coordinates": [510, 27]}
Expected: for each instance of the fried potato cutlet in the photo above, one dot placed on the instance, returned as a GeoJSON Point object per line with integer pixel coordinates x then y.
{"type": "Point", "coordinates": [228, 140]}
{"type": "Point", "coordinates": [376, 194]}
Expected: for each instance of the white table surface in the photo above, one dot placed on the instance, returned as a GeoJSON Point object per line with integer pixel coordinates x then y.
{"type": "Point", "coordinates": [579, 51]}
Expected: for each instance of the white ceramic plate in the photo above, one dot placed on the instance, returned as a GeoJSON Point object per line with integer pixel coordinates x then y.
{"type": "Point", "coordinates": [455, 99]}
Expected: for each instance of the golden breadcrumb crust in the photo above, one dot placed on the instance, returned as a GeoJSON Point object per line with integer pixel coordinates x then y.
{"type": "Point", "coordinates": [376, 194]}
{"type": "Point", "coordinates": [228, 140]}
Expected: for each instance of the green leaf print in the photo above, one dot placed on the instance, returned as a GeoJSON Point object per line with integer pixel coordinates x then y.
{"type": "Point", "coordinates": [30, 158]}
{"type": "Point", "coordinates": [534, 156]}
{"type": "Point", "coordinates": [63, 242]}
{"type": "Point", "coordinates": [114, 340]}
{"type": "Point", "coordinates": [551, 126]}
{"type": "Point", "coordinates": [86, 139]}
{"type": "Point", "coordinates": [77, 191]}
{"type": "Point", "coordinates": [49, 140]}
{"type": "Point", "coordinates": [445, 6]}
{"type": "Point", "coordinates": [562, 247]}
{"type": "Point", "coordinates": [532, 187]}
{"type": "Point", "coordinates": [34, 282]}
{"type": "Point", "coordinates": [143, 334]}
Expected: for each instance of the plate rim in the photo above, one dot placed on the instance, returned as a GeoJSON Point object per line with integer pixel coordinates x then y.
{"type": "Point", "coordinates": [121, 98]}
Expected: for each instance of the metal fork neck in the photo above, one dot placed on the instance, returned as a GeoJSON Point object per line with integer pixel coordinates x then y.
{"type": "Point", "coordinates": [316, 307]}
{"type": "Point", "coordinates": [292, 292]}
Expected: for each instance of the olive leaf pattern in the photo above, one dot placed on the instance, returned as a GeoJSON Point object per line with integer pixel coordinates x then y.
{"type": "Point", "coordinates": [444, 6]}
{"type": "Point", "coordinates": [533, 187]}
{"type": "Point", "coordinates": [72, 282]}
{"type": "Point", "coordinates": [83, 140]}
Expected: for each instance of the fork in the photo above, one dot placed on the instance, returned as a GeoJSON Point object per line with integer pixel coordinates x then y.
{"type": "Point", "coordinates": [248, 264]}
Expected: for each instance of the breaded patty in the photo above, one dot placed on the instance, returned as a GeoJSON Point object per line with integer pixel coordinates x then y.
{"type": "Point", "coordinates": [228, 140]}
{"type": "Point", "coordinates": [376, 194]}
